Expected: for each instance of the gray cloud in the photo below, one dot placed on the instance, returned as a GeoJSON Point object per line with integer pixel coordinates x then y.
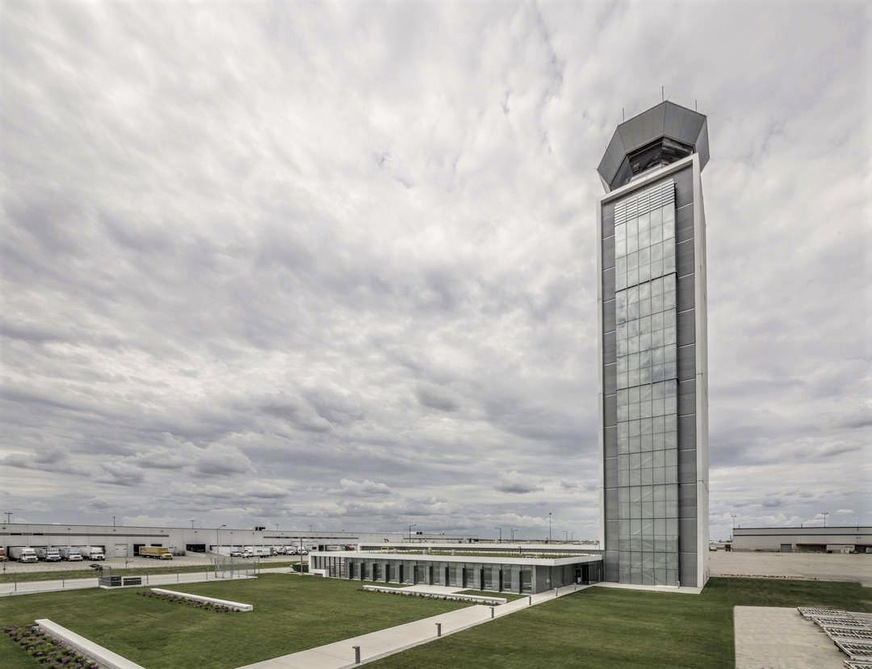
{"type": "Point", "coordinates": [119, 474]}
{"type": "Point", "coordinates": [243, 262]}
{"type": "Point", "coordinates": [436, 398]}
{"type": "Point", "coordinates": [223, 460]}
{"type": "Point", "coordinates": [516, 483]}
{"type": "Point", "coordinates": [363, 488]}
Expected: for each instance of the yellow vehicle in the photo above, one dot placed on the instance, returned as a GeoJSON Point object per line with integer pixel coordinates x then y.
{"type": "Point", "coordinates": [158, 552]}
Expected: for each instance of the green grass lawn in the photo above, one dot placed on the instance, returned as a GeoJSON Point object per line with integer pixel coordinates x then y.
{"type": "Point", "coordinates": [603, 627]}
{"type": "Point", "coordinates": [291, 613]}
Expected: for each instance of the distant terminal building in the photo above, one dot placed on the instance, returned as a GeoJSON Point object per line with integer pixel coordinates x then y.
{"type": "Point", "coordinates": [653, 361]}
{"type": "Point", "coordinates": [127, 541]}
{"type": "Point", "coordinates": [804, 539]}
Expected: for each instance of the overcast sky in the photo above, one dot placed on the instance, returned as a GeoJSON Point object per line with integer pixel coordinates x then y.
{"type": "Point", "coordinates": [332, 265]}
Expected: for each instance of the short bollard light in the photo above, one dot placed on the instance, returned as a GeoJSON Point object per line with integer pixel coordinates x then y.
{"type": "Point", "coordinates": [530, 600]}
{"type": "Point", "coordinates": [356, 654]}
{"type": "Point", "coordinates": [438, 629]}
{"type": "Point", "coordinates": [492, 613]}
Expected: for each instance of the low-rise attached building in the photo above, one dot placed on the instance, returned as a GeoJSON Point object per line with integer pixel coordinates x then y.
{"type": "Point", "coordinates": [469, 571]}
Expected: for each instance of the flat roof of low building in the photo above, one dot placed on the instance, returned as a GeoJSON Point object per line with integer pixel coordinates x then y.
{"type": "Point", "coordinates": [482, 558]}
{"type": "Point", "coordinates": [488, 546]}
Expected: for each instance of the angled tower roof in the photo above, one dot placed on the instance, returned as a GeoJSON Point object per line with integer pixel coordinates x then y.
{"type": "Point", "coordinates": [661, 135]}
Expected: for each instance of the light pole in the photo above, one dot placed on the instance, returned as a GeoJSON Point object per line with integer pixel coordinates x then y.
{"type": "Point", "coordinates": [192, 523]}
{"type": "Point", "coordinates": [411, 525]}
{"type": "Point", "coordinates": [825, 514]}
{"type": "Point", "coordinates": [549, 527]}
{"type": "Point", "coordinates": [113, 521]}
{"type": "Point", "coordinates": [218, 538]}
{"type": "Point", "coordinates": [501, 533]}
{"type": "Point", "coordinates": [513, 534]}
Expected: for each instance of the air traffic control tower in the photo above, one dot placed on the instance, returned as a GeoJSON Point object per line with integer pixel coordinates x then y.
{"type": "Point", "coordinates": [653, 390]}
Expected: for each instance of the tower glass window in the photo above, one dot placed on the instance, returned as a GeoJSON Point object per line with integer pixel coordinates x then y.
{"type": "Point", "coordinates": [647, 386]}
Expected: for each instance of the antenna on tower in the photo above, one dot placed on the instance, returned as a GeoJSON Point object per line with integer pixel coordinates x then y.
{"type": "Point", "coordinates": [623, 115]}
{"type": "Point", "coordinates": [662, 94]}
{"type": "Point", "coordinates": [695, 106]}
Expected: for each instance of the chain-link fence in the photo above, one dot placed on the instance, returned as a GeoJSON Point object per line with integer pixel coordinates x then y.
{"type": "Point", "coordinates": [228, 567]}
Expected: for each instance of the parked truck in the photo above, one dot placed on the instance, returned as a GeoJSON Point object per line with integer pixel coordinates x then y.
{"type": "Point", "coordinates": [3, 557]}
{"type": "Point", "coordinates": [23, 554]}
{"type": "Point", "coordinates": [256, 551]}
{"type": "Point", "coordinates": [70, 553]}
{"type": "Point", "coordinates": [157, 552]}
{"type": "Point", "coordinates": [48, 554]}
{"type": "Point", "coordinates": [92, 552]}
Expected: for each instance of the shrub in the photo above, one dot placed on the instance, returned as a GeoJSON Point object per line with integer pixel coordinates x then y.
{"type": "Point", "coordinates": [47, 650]}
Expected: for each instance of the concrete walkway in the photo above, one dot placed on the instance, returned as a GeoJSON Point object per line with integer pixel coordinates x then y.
{"type": "Point", "coordinates": [35, 587]}
{"type": "Point", "coordinates": [780, 638]}
{"type": "Point", "coordinates": [376, 645]}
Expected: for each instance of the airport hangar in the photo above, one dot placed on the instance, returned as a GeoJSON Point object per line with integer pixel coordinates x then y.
{"type": "Point", "coordinates": [804, 539]}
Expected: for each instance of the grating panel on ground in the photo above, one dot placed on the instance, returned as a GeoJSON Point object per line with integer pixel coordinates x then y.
{"type": "Point", "coordinates": [857, 633]}
{"type": "Point", "coordinates": [854, 650]}
{"type": "Point", "coordinates": [839, 622]}
{"type": "Point", "coordinates": [808, 612]}
{"type": "Point", "coordinates": [852, 633]}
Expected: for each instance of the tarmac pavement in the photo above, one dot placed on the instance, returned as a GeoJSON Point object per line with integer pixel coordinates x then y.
{"type": "Point", "coordinates": [816, 566]}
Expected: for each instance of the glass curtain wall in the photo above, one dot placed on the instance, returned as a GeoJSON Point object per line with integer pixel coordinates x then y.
{"type": "Point", "coordinates": [647, 386]}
